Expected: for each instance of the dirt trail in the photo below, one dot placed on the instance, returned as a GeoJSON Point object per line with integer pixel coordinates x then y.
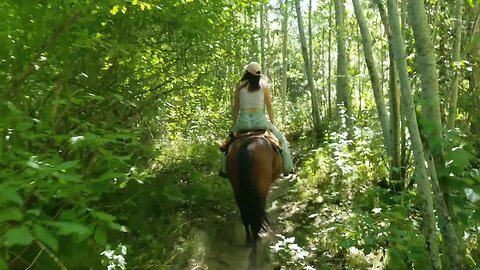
{"type": "Point", "coordinates": [221, 244]}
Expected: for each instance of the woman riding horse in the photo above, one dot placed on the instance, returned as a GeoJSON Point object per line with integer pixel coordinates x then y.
{"type": "Point", "coordinates": [252, 162]}
{"type": "Point", "coordinates": [252, 94]}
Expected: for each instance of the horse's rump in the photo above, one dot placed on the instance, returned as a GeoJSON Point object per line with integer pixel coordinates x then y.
{"type": "Point", "coordinates": [254, 157]}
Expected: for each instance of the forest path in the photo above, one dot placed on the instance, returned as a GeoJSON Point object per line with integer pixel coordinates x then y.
{"type": "Point", "coordinates": [220, 244]}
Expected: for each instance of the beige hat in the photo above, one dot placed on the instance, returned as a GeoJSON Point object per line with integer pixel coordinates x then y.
{"type": "Point", "coordinates": [254, 68]}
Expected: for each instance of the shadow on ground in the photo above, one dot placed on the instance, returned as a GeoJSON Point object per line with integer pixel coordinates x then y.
{"type": "Point", "coordinates": [220, 244]}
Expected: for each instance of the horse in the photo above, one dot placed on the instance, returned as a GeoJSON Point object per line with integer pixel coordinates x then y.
{"type": "Point", "coordinates": [253, 164]}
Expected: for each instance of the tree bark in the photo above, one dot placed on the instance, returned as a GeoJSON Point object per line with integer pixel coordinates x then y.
{"type": "Point", "coordinates": [262, 36]}
{"type": "Point", "coordinates": [423, 184]}
{"type": "Point", "coordinates": [284, 57]}
{"type": "Point", "coordinates": [308, 71]}
{"type": "Point", "coordinates": [394, 101]}
{"type": "Point", "coordinates": [433, 130]}
{"type": "Point", "coordinates": [329, 48]}
{"type": "Point", "coordinates": [374, 77]}
{"type": "Point", "coordinates": [453, 95]}
{"type": "Point", "coordinates": [343, 93]}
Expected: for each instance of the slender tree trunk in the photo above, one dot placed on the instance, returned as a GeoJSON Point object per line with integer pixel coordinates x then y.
{"type": "Point", "coordinates": [310, 36]}
{"type": "Point", "coordinates": [405, 152]}
{"type": "Point", "coordinates": [308, 71]}
{"type": "Point", "coordinates": [343, 93]}
{"type": "Point", "coordinates": [423, 184]}
{"type": "Point", "coordinates": [395, 122]}
{"type": "Point", "coordinates": [323, 75]}
{"type": "Point", "coordinates": [267, 41]}
{"type": "Point", "coordinates": [474, 80]}
{"type": "Point", "coordinates": [329, 48]}
{"type": "Point", "coordinates": [262, 35]}
{"type": "Point", "coordinates": [453, 95]}
{"type": "Point", "coordinates": [284, 57]}
{"type": "Point", "coordinates": [374, 77]}
{"type": "Point", "coordinates": [360, 73]}
{"type": "Point", "coordinates": [394, 99]}
{"type": "Point", "coordinates": [253, 42]}
{"type": "Point", "coordinates": [310, 51]}
{"type": "Point", "coordinates": [431, 111]}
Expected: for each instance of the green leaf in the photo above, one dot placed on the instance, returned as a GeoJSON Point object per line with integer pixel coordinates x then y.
{"type": "Point", "coordinates": [118, 227]}
{"type": "Point", "coordinates": [458, 157]}
{"type": "Point", "coordinates": [473, 43]}
{"type": "Point", "coordinates": [23, 126]}
{"type": "Point", "coordinates": [18, 236]}
{"type": "Point", "coordinates": [13, 108]}
{"type": "Point", "coordinates": [66, 165]}
{"type": "Point", "coordinates": [115, 9]}
{"type": "Point", "coordinates": [35, 212]}
{"type": "Point", "coordinates": [472, 2]}
{"type": "Point", "coordinates": [46, 237]}
{"type": "Point", "coordinates": [10, 213]}
{"type": "Point", "coordinates": [67, 228]}
{"type": "Point", "coordinates": [100, 235]}
{"type": "Point", "coordinates": [10, 194]}
{"type": "Point", "coordinates": [3, 264]}
{"type": "Point", "coordinates": [103, 216]}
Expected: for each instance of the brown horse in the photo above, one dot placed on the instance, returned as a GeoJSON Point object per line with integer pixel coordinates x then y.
{"type": "Point", "coordinates": [253, 163]}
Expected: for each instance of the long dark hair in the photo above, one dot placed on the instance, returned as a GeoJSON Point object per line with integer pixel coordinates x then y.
{"type": "Point", "coordinates": [252, 80]}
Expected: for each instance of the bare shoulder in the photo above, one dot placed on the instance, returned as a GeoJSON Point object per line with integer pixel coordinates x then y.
{"type": "Point", "coordinates": [265, 82]}
{"type": "Point", "coordinates": [238, 85]}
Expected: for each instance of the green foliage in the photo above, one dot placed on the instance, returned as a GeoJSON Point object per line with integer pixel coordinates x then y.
{"type": "Point", "coordinates": [344, 217]}
{"type": "Point", "coordinates": [88, 90]}
{"type": "Point", "coordinates": [110, 111]}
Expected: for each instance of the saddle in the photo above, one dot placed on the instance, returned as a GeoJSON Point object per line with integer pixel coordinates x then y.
{"type": "Point", "coordinates": [267, 134]}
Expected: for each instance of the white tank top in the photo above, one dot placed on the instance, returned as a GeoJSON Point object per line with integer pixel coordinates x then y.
{"type": "Point", "coordinates": [252, 100]}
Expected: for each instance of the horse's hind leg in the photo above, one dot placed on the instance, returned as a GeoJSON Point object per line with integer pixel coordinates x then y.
{"type": "Point", "coordinates": [253, 253]}
{"type": "Point", "coordinates": [248, 233]}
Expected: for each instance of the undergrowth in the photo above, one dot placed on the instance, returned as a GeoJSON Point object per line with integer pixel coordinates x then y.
{"type": "Point", "coordinates": [161, 213]}
{"type": "Point", "coordinates": [340, 215]}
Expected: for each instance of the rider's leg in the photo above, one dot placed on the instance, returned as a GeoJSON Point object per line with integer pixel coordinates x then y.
{"type": "Point", "coordinates": [223, 170]}
{"type": "Point", "coordinates": [226, 142]}
{"type": "Point", "coordinates": [286, 156]}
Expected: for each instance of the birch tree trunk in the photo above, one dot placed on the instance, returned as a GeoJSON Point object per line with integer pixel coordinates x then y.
{"type": "Point", "coordinates": [308, 71]}
{"type": "Point", "coordinates": [284, 57]}
{"type": "Point", "coordinates": [431, 110]}
{"type": "Point", "coordinates": [423, 184]}
{"type": "Point", "coordinates": [453, 95]}
{"type": "Point", "coordinates": [374, 77]}
{"type": "Point", "coordinates": [343, 93]}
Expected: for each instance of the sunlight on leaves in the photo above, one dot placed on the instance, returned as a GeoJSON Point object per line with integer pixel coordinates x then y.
{"type": "Point", "coordinates": [115, 9]}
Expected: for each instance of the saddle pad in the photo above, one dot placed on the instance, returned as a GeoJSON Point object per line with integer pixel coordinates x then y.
{"type": "Point", "coordinates": [267, 134]}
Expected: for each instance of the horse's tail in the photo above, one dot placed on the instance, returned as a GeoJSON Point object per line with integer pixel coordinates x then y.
{"type": "Point", "coordinates": [250, 202]}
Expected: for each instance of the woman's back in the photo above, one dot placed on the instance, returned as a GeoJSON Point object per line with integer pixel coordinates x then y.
{"type": "Point", "coordinates": [252, 99]}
